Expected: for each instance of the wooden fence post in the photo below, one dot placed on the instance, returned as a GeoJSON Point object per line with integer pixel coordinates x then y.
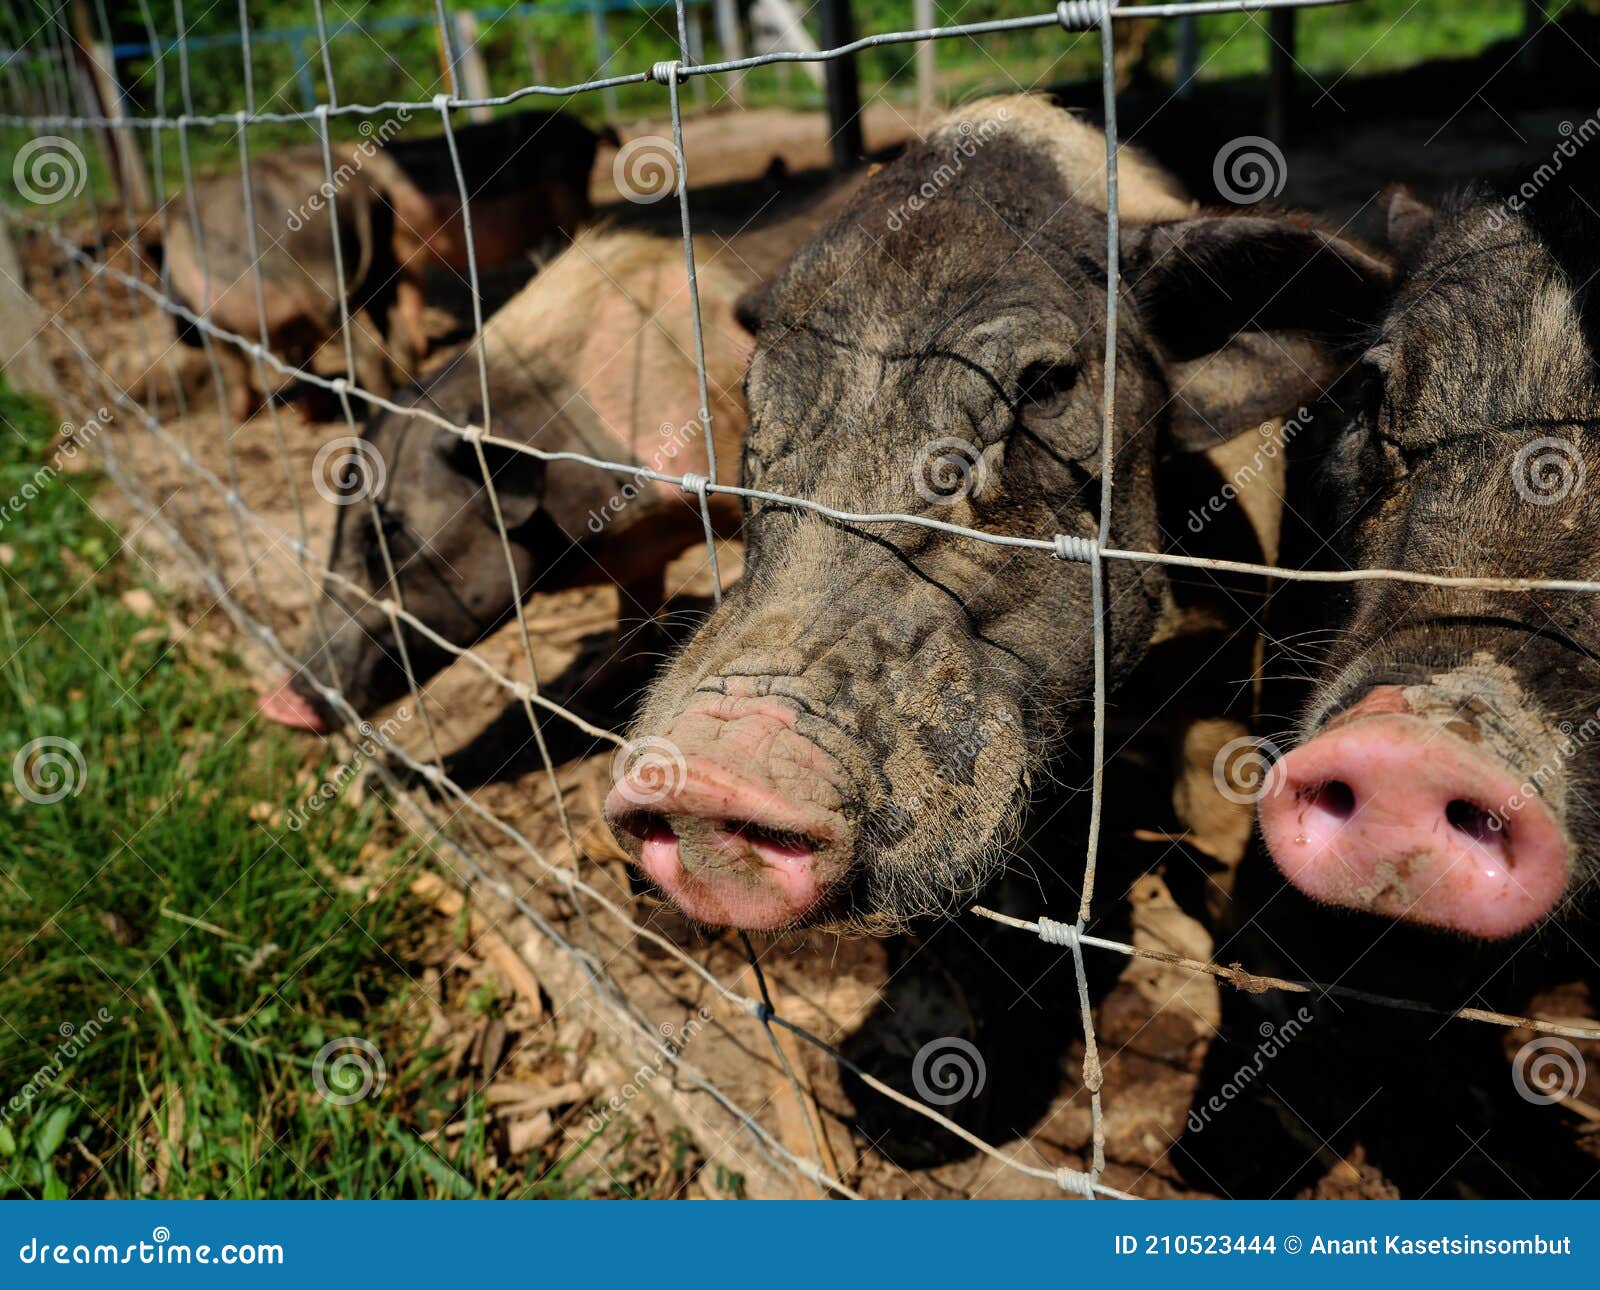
{"type": "Point", "coordinates": [927, 61]}
{"type": "Point", "coordinates": [731, 37]}
{"type": "Point", "coordinates": [473, 70]}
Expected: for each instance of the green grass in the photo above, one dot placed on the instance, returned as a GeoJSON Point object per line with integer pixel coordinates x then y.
{"type": "Point", "coordinates": [172, 958]}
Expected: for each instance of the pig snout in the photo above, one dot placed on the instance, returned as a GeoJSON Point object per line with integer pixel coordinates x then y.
{"type": "Point", "coordinates": [1398, 815]}
{"type": "Point", "coordinates": [734, 815]}
{"type": "Point", "coordinates": [286, 705]}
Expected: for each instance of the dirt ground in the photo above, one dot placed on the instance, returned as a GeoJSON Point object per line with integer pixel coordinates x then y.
{"type": "Point", "coordinates": [1442, 1121]}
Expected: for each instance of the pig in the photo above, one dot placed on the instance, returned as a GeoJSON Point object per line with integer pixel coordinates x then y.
{"type": "Point", "coordinates": [1443, 772]}
{"type": "Point", "coordinates": [595, 356]}
{"type": "Point", "coordinates": [851, 738]}
{"type": "Point", "coordinates": [398, 212]}
{"type": "Point", "coordinates": [295, 231]}
{"type": "Point", "coordinates": [527, 176]}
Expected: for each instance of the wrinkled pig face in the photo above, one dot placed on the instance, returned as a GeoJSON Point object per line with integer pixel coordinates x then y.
{"type": "Point", "coordinates": [851, 737]}
{"type": "Point", "coordinates": [1448, 776]}
{"type": "Point", "coordinates": [434, 516]}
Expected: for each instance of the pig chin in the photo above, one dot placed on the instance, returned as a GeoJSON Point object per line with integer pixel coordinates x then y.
{"type": "Point", "coordinates": [1431, 804]}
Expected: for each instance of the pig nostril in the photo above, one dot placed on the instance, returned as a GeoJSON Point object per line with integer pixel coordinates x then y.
{"type": "Point", "coordinates": [1477, 822]}
{"type": "Point", "coordinates": [781, 839]}
{"type": "Point", "coordinates": [1335, 797]}
{"type": "Point", "coordinates": [647, 826]}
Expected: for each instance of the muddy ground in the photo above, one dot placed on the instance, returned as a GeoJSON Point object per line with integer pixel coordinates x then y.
{"type": "Point", "coordinates": [1208, 1090]}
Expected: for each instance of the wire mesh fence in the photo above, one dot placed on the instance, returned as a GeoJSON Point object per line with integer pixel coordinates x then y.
{"type": "Point", "coordinates": [226, 542]}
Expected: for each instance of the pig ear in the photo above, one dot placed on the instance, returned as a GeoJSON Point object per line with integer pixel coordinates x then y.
{"type": "Point", "coordinates": [751, 306]}
{"type": "Point", "coordinates": [519, 479]}
{"type": "Point", "coordinates": [1256, 315]}
{"type": "Point", "coordinates": [1407, 219]}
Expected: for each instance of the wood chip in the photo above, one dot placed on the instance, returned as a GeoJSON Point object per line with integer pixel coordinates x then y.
{"type": "Point", "coordinates": [449, 902]}
{"type": "Point", "coordinates": [139, 601]}
{"type": "Point", "coordinates": [529, 1135]}
{"type": "Point", "coordinates": [519, 1096]}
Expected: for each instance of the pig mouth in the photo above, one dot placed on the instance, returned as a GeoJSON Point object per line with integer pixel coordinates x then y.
{"type": "Point", "coordinates": [758, 878]}
{"type": "Point", "coordinates": [736, 817]}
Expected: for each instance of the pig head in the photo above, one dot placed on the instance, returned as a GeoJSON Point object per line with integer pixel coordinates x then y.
{"type": "Point", "coordinates": [593, 357]}
{"type": "Point", "coordinates": [1446, 773]}
{"type": "Point", "coordinates": [852, 736]}
{"type": "Point", "coordinates": [429, 540]}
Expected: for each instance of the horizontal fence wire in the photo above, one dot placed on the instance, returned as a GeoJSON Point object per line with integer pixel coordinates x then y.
{"type": "Point", "coordinates": [57, 91]}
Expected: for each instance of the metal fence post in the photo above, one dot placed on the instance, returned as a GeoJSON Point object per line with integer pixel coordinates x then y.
{"type": "Point", "coordinates": [843, 86]}
{"type": "Point", "coordinates": [1280, 74]}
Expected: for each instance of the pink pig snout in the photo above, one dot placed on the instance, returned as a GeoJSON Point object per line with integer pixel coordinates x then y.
{"type": "Point", "coordinates": [1396, 815]}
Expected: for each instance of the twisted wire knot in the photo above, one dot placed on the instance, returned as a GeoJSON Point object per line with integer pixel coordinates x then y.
{"type": "Point", "coordinates": [1053, 933]}
{"type": "Point", "coordinates": [1076, 1180]}
{"type": "Point", "coordinates": [1080, 15]}
{"type": "Point", "coordinates": [1071, 547]}
{"type": "Point", "coordinates": [695, 484]}
{"type": "Point", "coordinates": [666, 71]}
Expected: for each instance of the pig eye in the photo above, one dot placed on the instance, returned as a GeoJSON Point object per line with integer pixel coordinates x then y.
{"type": "Point", "coordinates": [1046, 387]}
{"type": "Point", "coordinates": [1374, 395]}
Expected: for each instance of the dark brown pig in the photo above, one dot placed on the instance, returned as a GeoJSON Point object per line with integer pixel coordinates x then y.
{"type": "Point", "coordinates": [1446, 773]}
{"type": "Point", "coordinates": [594, 356]}
{"type": "Point", "coordinates": [853, 735]}
{"type": "Point", "coordinates": [527, 178]}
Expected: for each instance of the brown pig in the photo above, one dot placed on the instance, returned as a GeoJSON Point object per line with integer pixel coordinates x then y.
{"type": "Point", "coordinates": [594, 356]}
